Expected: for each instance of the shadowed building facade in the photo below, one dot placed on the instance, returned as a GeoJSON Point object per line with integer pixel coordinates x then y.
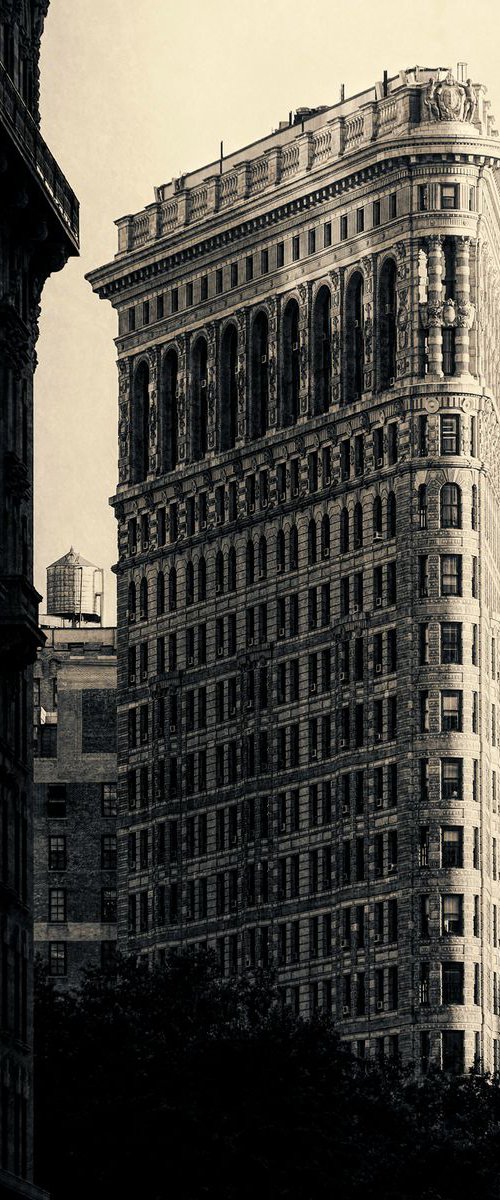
{"type": "Point", "coordinates": [308, 606]}
{"type": "Point", "coordinates": [38, 231]}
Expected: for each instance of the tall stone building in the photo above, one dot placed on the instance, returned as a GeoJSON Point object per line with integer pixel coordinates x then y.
{"type": "Point", "coordinates": [308, 513]}
{"type": "Point", "coordinates": [74, 719]}
{"type": "Point", "coordinates": [38, 231]}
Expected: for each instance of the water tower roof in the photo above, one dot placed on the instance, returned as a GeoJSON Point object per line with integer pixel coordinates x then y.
{"type": "Point", "coordinates": [71, 559]}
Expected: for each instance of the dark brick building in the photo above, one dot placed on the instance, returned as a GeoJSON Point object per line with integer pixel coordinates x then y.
{"type": "Point", "coordinates": [75, 800]}
{"type": "Point", "coordinates": [38, 231]}
{"type": "Point", "coordinates": [308, 574]}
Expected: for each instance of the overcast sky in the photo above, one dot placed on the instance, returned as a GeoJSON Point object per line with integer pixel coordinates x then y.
{"type": "Point", "coordinates": [136, 91]}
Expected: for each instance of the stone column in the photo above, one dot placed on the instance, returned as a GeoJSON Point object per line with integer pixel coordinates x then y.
{"type": "Point", "coordinates": [272, 367]}
{"type": "Point", "coordinates": [334, 399]}
{"type": "Point", "coordinates": [211, 385]}
{"type": "Point", "coordinates": [124, 417]}
{"type": "Point", "coordinates": [368, 373]}
{"type": "Point", "coordinates": [464, 310]}
{"type": "Point", "coordinates": [304, 346]}
{"type": "Point", "coordinates": [153, 411]}
{"type": "Point", "coordinates": [182, 383]}
{"type": "Point", "coordinates": [242, 375]}
{"type": "Point", "coordinates": [435, 305]}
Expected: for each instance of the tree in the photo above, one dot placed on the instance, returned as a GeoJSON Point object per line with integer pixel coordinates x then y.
{"type": "Point", "coordinates": [173, 1083]}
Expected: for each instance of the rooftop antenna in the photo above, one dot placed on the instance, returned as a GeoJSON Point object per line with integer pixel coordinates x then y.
{"type": "Point", "coordinates": [385, 85]}
{"type": "Point", "coordinates": [221, 157]}
{"type": "Point", "coordinates": [342, 92]}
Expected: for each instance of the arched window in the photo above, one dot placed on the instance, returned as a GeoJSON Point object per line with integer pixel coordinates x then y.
{"type": "Point", "coordinates": [231, 570]}
{"type": "Point", "coordinates": [293, 549]}
{"type": "Point", "coordinates": [280, 550]}
{"type": "Point", "coordinates": [448, 293]}
{"type": "Point", "coordinates": [139, 434]}
{"type": "Point", "coordinates": [325, 536]}
{"type": "Point", "coordinates": [189, 583]}
{"type": "Point", "coordinates": [262, 558]}
{"type": "Point", "coordinates": [258, 397]}
{"type": "Point", "coordinates": [202, 579]}
{"type": "Point", "coordinates": [172, 589]}
{"type": "Point", "coordinates": [228, 415]}
{"type": "Point", "coordinates": [377, 517]}
{"type": "Point", "coordinates": [387, 324]}
{"type": "Point", "coordinates": [451, 506]}
{"type": "Point", "coordinates": [312, 551]}
{"type": "Point", "coordinates": [199, 410]}
{"type": "Point", "coordinates": [321, 351]}
{"type": "Point", "coordinates": [143, 599]}
{"type": "Point", "coordinates": [358, 526]}
{"type": "Point", "coordinates": [473, 511]}
{"type": "Point", "coordinates": [169, 412]}
{"type": "Point", "coordinates": [344, 531]}
{"type": "Point", "coordinates": [422, 506]}
{"type": "Point", "coordinates": [250, 563]}
{"type": "Point", "coordinates": [290, 366]}
{"type": "Point", "coordinates": [354, 355]}
{"type": "Point", "coordinates": [391, 515]}
{"type": "Point", "coordinates": [219, 572]}
{"type": "Point", "coordinates": [131, 603]}
{"type": "Point", "coordinates": [160, 594]}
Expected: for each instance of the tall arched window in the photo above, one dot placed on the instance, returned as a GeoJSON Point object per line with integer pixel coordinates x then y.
{"type": "Point", "coordinates": [321, 351]}
{"type": "Point", "coordinates": [169, 411]}
{"type": "Point", "coordinates": [325, 536]}
{"type": "Point", "coordinates": [219, 572]}
{"type": "Point", "coordinates": [172, 589]}
{"type": "Point", "coordinates": [358, 526]}
{"type": "Point", "coordinates": [312, 552]}
{"type": "Point", "coordinates": [231, 570]}
{"type": "Point", "coordinates": [290, 365]}
{"type": "Point", "coordinates": [422, 506]}
{"type": "Point", "coordinates": [258, 414]}
{"type": "Point", "coordinates": [160, 594]}
{"type": "Point", "coordinates": [354, 354]}
{"type": "Point", "coordinates": [451, 506]}
{"type": "Point", "coordinates": [387, 324]}
{"type": "Point", "coordinates": [131, 603]}
{"type": "Point", "coordinates": [280, 550]}
{"type": "Point", "coordinates": [262, 557]}
{"type": "Point", "coordinates": [293, 548]}
{"type": "Point", "coordinates": [344, 531]}
{"type": "Point", "coordinates": [143, 599]}
{"type": "Point", "coordinates": [228, 415]}
{"type": "Point", "coordinates": [189, 583]}
{"type": "Point", "coordinates": [139, 434]}
{"type": "Point", "coordinates": [202, 578]}
{"type": "Point", "coordinates": [449, 287]}
{"type": "Point", "coordinates": [377, 517]}
{"type": "Point", "coordinates": [250, 563]}
{"type": "Point", "coordinates": [199, 410]}
{"type": "Point", "coordinates": [391, 515]}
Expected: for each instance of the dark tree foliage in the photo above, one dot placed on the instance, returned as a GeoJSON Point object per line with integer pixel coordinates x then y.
{"type": "Point", "coordinates": [174, 1084]}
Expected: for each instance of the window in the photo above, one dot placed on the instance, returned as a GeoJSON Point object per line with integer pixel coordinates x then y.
{"type": "Point", "coordinates": [343, 227]}
{"type": "Point", "coordinates": [451, 778]}
{"type": "Point", "coordinates": [311, 241]}
{"type": "Point", "coordinates": [452, 983]}
{"type": "Point", "coordinates": [451, 642]}
{"type": "Point", "coordinates": [327, 234]}
{"type": "Point", "coordinates": [280, 254]}
{"type": "Point", "coordinates": [449, 195]}
{"type": "Point", "coordinates": [393, 206]}
{"type": "Point", "coordinates": [219, 281]}
{"type": "Point", "coordinates": [452, 915]}
{"type": "Point", "coordinates": [108, 902]}
{"type": "Point", "coordinates": [451, 574]}
{"type": "Point", "coordinates": [57, 853]}
{"type": "Point", "coordinates": [189, 295]}
{"type": "Point", "coordinates": [174, 300]}
{"type": "Point", "coordinates": [452, 846]}
{"type": "Point", "coordinates": [56, 800]}
{"type": "Point", "coordinates": [450, 435]}
{"type": "Point", "coordinates": [360, 220]}
{"type": "Point", "coordinates": [451, 506]}
{"type": "Point", "coordinates": [295, 247]}
{"type": "Point", "coordinates": [234, 274]}
{"type": "Point", "coordinates": [249, 268]}
{"type": "Point", "coordinates": [264, 262]}
{"type": "Point", "coordinates": [108, 853]}
{"type": "Point", "coordinates": [451, 712]}
{"type": "Point", "coordinates": [57, 959]}
{"type": "Point", "coordinates": [57, 904]}
{"type": "Point", "coordinates": [376, 213]}
{"type": "Point", "coordinates": [453, 1051]}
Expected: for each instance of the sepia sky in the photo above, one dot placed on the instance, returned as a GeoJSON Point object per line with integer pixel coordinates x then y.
{"type": "Point", "coordinates": [136, 91]}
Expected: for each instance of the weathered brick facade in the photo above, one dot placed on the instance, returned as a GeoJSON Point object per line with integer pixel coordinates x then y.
{"type": "Point", "coordinates": [308, 566]}
{"type": "Point", "coordinates": [75, 800]}
{"type": "Point", "coordinates": [38, 231]}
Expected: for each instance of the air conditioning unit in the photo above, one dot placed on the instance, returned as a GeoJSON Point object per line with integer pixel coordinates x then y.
{"type": "Point", "coordinates": [220, 651]}
{"type": "Point", "coordinates": [379, 802]}
{"type": "Point", "coordinates": [295, 491]}
{"type": "Point", "coordinates": [250, 641]}
{"type": "Point", "coordinates": [313, 754]}
{"type": "Point", "coordinates": [251, 507]}
{"type": "Point", "coordinates": [377, 937]}
{"type": "Point", "coordinates": [279, 567]}
{"type": "Point", "coordinates": [355, 608]}
{"type": "Point", "coordinates": [378, 668]}
{"type": "Point", "coordinates": [131, 680]}
{"type": "Point", "coordinates": [190, 660]}
{"type": "Point", "coordinates": [281, 632]}
{"type": "Point", "coordinates": [312, 689]}
{"type": "Point", "coordinates": [379, 462]}
{"type": "Point", "coordinates": [378, 602]}
{"type": "Point", "coordinates": [345, 1010]}
{"type": "Point", "coordinates": [391, 868]}
{"type": "Point", "coordinates": [377, 537]}
{"type": "Point", "coordinates": [145, 545]}
{"type": "Point", "coordinates": [133, 549]}
{"type": "Point", "coordinates": [345, 810]}
{"type": "Point", "coordinates": [325, 553]}
{"type": "Point", "coordinates": [380, 1005]}
{"type": "Point", "coordinates": [173, 728]}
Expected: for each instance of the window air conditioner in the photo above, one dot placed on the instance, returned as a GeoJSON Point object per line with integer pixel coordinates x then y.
{"type": "Point", "coordinates": [250, 641]}
{"type": "Point", "coordinates": [131, 680]}
{"type": "Point", "coordinates": [281, 632]}
{"type": "Point", "coordinates": [220, 651]}
{"type": "Point", "coordinates": [190, 660]}
{"type": "Point", "coordinates": [378, 668]}
{"type": "Point", "coordinates": [133, 549]}
{"type": "Point", "coordinates": [314, 754]}
{"type": "Point", "coordinates": [378, 602]}
{"type": "Point", "coordinates": [295, 491]}
{"type": "Point", "coordinates": [379, 802]}
{"type": "Point", "coordinates": [380, 1005]}
{"type": "Point", "coordinates": [379, 462]}
{"type": "Point", "coordinates": [345, 1010]}
{"type": "Point", "coordinates": [377, 537]}
{"type": "Point", "coordinates": [377, 937]}
{"type": "Point", "coordinates": [344, 943]}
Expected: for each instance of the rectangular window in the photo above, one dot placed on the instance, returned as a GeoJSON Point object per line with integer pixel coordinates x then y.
{"type": "Point", "coordinates": [452, 846]}
{"type": "Point", "coordinates": [393, 206]}
{"type": "Point", "coordinates": [280, 254]}
{"type": "Point", "coordinates": [327, 234]}
{"type": "Point", "coordinates": [451, 574]}
{"type": "Point", "coordinates": [376, 213]}
{"type": "Point", "coordinates": [451, 642]}
{"type": "Point", "coordinates": [219, 281]}
{"type": "Point", "coordinates": [360, 220]}
{"type": "Point", "coordinates": [450, 435]}
{"type": "Point", "coordinates": [131, 320]}
{"type": "Point", "coordinates": [145, 312]}
{"type": "Point", "coordinates": [343, 227]}
{"type": "Point", "coordinates": [295, 247]}
{"type": "Point", "coordinates": [264, 262]}
{"type": "Point", "coordinates": [57, 853]}
{"type": "Point", "coordinates": [174, 300]}
{"type": "Point", "coordinates": [451, 712]}
{"type": "Point", "coordinates": [189, 295]}
{"type": "Point", "coordinates": [160, 307]}
{"type": "Point", "coordinates": [452, 778]}
{"type": "Point", "coordinates": [249, 268]}
{"type": "Point", "coordinates": [57, 959]}
{"type": "Point", "coordinates": [311, 241]}
{"type": "Point", "coordinates": [452, 983]}
{"type": "Point", "coordinates": [234, 274]}
{"type": "Point", "coordinates": [204, 287]}
{"type": "Point", "coordinates": [449, 195]}
{"type": "Point", "coordinates": [57, 904]}
{"type": "Point", "coordinates": [452, 915]}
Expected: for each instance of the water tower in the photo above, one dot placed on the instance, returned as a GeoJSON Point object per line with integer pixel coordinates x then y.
{"type": "Point", "coordinates": [75, 590]}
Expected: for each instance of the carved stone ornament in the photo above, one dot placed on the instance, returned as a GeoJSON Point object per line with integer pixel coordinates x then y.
{"type": "Point", "coordinates": [448, 100]}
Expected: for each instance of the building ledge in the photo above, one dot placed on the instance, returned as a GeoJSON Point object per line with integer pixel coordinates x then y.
{"type": "Point", "coordinates": [20, 635]}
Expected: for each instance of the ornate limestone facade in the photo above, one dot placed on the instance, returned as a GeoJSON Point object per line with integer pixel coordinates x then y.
{"type": "Point", "coordinates": [308, 571]}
